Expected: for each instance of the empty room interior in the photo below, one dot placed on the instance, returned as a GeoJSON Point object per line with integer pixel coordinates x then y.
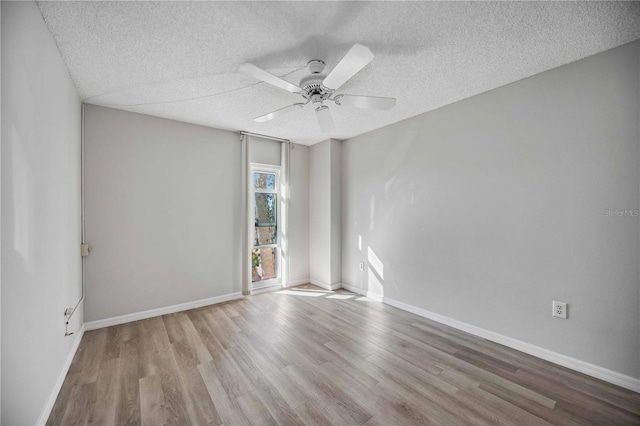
{"type": "Point", "coordinates": [320, 213]}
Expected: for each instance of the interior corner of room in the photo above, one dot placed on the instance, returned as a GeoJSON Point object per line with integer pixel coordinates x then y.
{"type": "Point", "coordinates": [477, 214]}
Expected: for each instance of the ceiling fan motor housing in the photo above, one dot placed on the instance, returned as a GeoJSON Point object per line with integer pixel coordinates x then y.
{"type": "Point", "coordinates": [312, 88]}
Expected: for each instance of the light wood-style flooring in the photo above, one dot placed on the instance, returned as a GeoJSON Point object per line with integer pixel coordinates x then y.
{"type": "Point", "coordinates": [309, 356]}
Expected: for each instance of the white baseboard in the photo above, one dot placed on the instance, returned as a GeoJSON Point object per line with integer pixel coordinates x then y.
{"type": "Point", "coordinates": [623, 380]}
{"type": "Point", "coordinates": [324, 285]}
{"type": "Point", "coordinates": [298, 282]}
{"type": "Point", "coordinates": [46, 411]}
{"type": "Point", "coordinates": [366, 293]}
{"type": "Point", "coordinates": [122, 319]}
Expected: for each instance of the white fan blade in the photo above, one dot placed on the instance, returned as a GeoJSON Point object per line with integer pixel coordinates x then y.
{"type": "Point", "coordinates": [260, 74]}
{"type": "Point", "coordinates": [324, 119]}
{"type": "Point", "coordinates": [277, 113]}
{"type": "Point", "coordinates": [373, 102]}
{"type": "Point", "coordinates": [355, 59]}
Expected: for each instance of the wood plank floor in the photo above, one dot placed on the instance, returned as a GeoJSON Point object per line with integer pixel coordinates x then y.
{"type": "Point", "coordinates": [309, 356]}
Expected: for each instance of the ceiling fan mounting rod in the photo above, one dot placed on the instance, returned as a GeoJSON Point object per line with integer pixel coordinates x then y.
{"type": "Point", "coordinates": [316, 66]}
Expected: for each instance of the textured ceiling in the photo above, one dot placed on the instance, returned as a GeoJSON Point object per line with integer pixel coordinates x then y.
{"type": "Point", "coordinates": [179, 60]}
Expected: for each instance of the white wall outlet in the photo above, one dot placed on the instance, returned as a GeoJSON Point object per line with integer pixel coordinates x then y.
{"type": "Point", "coordinates": [559, 309]}
{"type": "Point", "coordinates": [361, 266]}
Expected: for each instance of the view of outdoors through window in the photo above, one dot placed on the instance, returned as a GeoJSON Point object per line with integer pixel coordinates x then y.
{"type": "Point", "coordinates": [264, 256]}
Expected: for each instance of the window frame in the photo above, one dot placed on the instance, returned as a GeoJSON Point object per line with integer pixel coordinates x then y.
{"type": "Point", "coordinates": [276, 170]}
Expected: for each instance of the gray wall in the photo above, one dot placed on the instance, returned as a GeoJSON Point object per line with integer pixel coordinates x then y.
{"type": "Point", "coordinates": [299, 213]}
{"type": "Point", "coordinates": [264, 151]}
{"type": "Point", "coordinates": [486, 210]}
{"type": "Point", "coordinates": [319, 215]}
{"type": "Point", "coordinates": [162, 208]}
{"type": "Point", "coordinates": [335, 210]}
{"type": "Point", "coordinates": [324, 214]}
{"type": "Point", "coordinates": [40, 213]}
{"type": "Point", "coordinates": [162, 203]}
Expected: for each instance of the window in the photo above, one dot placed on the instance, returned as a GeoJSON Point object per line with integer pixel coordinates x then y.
{"type": "Point", "coordinates": [265, 253]}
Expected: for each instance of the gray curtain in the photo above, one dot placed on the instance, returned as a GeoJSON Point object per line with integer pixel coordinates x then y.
{"type": "Point", "coordinates": [248, 219]}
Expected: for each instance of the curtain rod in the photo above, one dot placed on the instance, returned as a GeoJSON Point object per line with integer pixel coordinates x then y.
{"type": "Point", "coordinates": [265, 136]}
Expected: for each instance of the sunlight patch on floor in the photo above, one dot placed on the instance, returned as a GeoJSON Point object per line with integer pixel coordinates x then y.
{"type": "Point", "coordinates": [340, 296]}
{"type": "Point", "coordinates": [364, 299]}
{"type": "Point", "coordinates": [311, 289]}
{"type": "Point", "coordinates": [301, 293]}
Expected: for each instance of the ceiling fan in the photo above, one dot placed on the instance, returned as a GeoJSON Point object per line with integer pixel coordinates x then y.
{"type": "Point", "coordinates": [317, 88]}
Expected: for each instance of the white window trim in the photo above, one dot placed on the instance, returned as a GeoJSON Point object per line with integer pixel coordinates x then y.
{"type": "Point", "coordinates": [267, 168]}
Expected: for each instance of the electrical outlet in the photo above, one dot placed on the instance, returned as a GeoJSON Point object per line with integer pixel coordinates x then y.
{"type": "Point", "coordinates": [559, 309]}
{"type": "Point", "coordinates": [361, 266]}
